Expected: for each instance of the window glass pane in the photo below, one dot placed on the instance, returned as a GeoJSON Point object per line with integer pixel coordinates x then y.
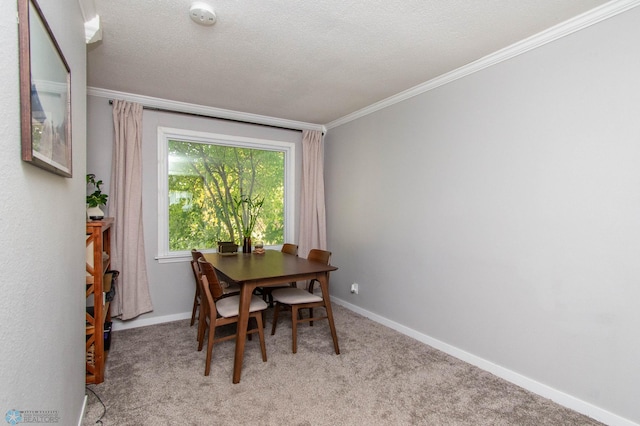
{"type": "Point", "coordinates": [204, 179]}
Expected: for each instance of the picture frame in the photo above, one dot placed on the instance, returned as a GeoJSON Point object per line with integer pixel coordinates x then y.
{"type": "Point", "coordinates": [45, 93]}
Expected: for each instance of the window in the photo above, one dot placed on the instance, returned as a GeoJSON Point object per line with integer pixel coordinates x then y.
{"type": "Point", "coordinates": [201, 174]}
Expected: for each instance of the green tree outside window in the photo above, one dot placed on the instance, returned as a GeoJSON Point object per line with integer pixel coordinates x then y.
{"type": "Point", "coordinates": [204, 181]}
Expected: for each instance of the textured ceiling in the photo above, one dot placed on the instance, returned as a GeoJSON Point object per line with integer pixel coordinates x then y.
{"type": "Point", "coordinates": [309, 61]}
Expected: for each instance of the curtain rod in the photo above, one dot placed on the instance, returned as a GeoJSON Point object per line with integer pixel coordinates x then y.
{"type": "Point", "coordinates": [193, 114]}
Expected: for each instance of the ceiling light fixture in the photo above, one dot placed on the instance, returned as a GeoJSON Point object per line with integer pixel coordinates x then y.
{"type": "Point", "coordinates": [202, 14]}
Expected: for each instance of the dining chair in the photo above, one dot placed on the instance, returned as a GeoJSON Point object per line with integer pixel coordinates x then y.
{"type": "Point", "coordinates": [195, 255]}
{"type": "Point", "coordinates": [227, 289]}
{"type": "Point", "coordinates": [321, 256]}
{"type": "Point", "coordinates": [297, 298]}
{"type": "Point", "coordinates": [216, 310]}
{"type": "Point", "coordinates": [287, 248]}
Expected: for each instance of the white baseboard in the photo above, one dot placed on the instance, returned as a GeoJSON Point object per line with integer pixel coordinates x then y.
{"type": "Point", "coordinates": [538, 388]}
{"type": "Point", "coordinates": [143, 322]}
{"type": "Point", "coordinates": [527, 383]}
{"type": "Point", "coordinates": [83, 410]}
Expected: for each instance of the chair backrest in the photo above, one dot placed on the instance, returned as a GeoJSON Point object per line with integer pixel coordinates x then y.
{"type": "Point", "coordinates": [290, 249]}
{"type": "Point", "coordinates": [196, 272]}
{"type": "Point", "coordinates": [195, 255]}
{"type": "Point", "coordinates": [206, 301]}
{"type": "Point", "coordinates": [209, 272]}
{"type": "Point", "coordinates": [207, 305]}
{"type": "Point", "coordinates": [318, 255]}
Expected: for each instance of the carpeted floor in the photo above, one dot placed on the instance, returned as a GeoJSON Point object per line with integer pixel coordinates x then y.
{"type": "Point", "coordinates": [155, 376]}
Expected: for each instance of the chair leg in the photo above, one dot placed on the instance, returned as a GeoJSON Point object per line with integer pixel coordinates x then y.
{"type": "Point", "coordinates": [266, 296]}
{"type": "Point", "coordinates": [263, 347]}
{"type": "Point", "coordinates": [310, 316]}
{"type": "Point", "coordinates": [207, 365]}
{"type": "Point", "coordinates": [195, 306]}
{"type": "Point", "coordinates": [294, 328]}
{"type": "Point", "coordinates": [202, 323]}
{"type": "Point", "coordinates": [276, 310]}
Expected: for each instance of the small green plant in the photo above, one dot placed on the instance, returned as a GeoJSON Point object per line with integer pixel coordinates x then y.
{"type": "Point", "coordinates": [248, 209]}
{"type": "Point", "coordinates": [96, 198]}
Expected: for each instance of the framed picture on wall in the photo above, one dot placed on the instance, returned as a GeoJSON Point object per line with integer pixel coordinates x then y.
{"type": "Point", "coordinates": [45, 93]}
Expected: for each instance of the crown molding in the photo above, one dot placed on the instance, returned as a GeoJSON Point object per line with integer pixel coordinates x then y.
{"type": "Point", "coordinates": [563, 29]}
{"type": "Point", "coordinates": [204, 110]}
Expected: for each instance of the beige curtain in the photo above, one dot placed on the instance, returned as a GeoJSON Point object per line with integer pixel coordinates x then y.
{"type": "Point", "coordinates": [313, 227]}
{"type": "Point", "coordinates": [125, 205]}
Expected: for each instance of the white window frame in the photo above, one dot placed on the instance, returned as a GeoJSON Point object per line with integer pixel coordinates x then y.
{"type": "Point", "coordinates": [167, 133]}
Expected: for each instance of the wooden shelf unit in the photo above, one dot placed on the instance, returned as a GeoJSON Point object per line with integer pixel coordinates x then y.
{"type": "Point", "coordinates": [97, 264]}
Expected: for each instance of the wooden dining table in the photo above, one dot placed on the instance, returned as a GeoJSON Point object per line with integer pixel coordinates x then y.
{"type": "Point", "coordinates": [271, 268]}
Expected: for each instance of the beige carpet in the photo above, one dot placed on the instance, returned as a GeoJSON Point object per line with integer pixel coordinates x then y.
{"type": "Point", "coordinates": [155, 376]}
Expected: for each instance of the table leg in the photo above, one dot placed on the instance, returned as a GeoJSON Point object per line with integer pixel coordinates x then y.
{"type": "Point", "coordinates": [246, 291]}
{"type": "Point", "coordinates": [324, 285]}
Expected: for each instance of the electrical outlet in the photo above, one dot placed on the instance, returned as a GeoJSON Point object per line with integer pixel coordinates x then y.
{"type": "Point", "coordinates": [354, 288]}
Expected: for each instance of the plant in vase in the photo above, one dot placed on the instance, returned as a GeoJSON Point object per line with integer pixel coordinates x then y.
{"type": "Point", "coordinates": [95, 199]}
{"type": "Point", "coordinates": [247, 210]}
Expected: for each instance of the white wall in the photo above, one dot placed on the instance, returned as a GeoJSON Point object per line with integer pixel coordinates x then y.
{"type": "Point", "coordinates": [42, 226]}
{"type": "Point", "coordinates": [500, 214]}
{"type": "Point", "coordinates": [171, 284]}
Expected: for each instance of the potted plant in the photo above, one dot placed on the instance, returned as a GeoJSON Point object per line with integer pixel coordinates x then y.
{"type": "Point", "coordinates": [95, 199]}
{"type": "Point", "coordinates": [247, 210]}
